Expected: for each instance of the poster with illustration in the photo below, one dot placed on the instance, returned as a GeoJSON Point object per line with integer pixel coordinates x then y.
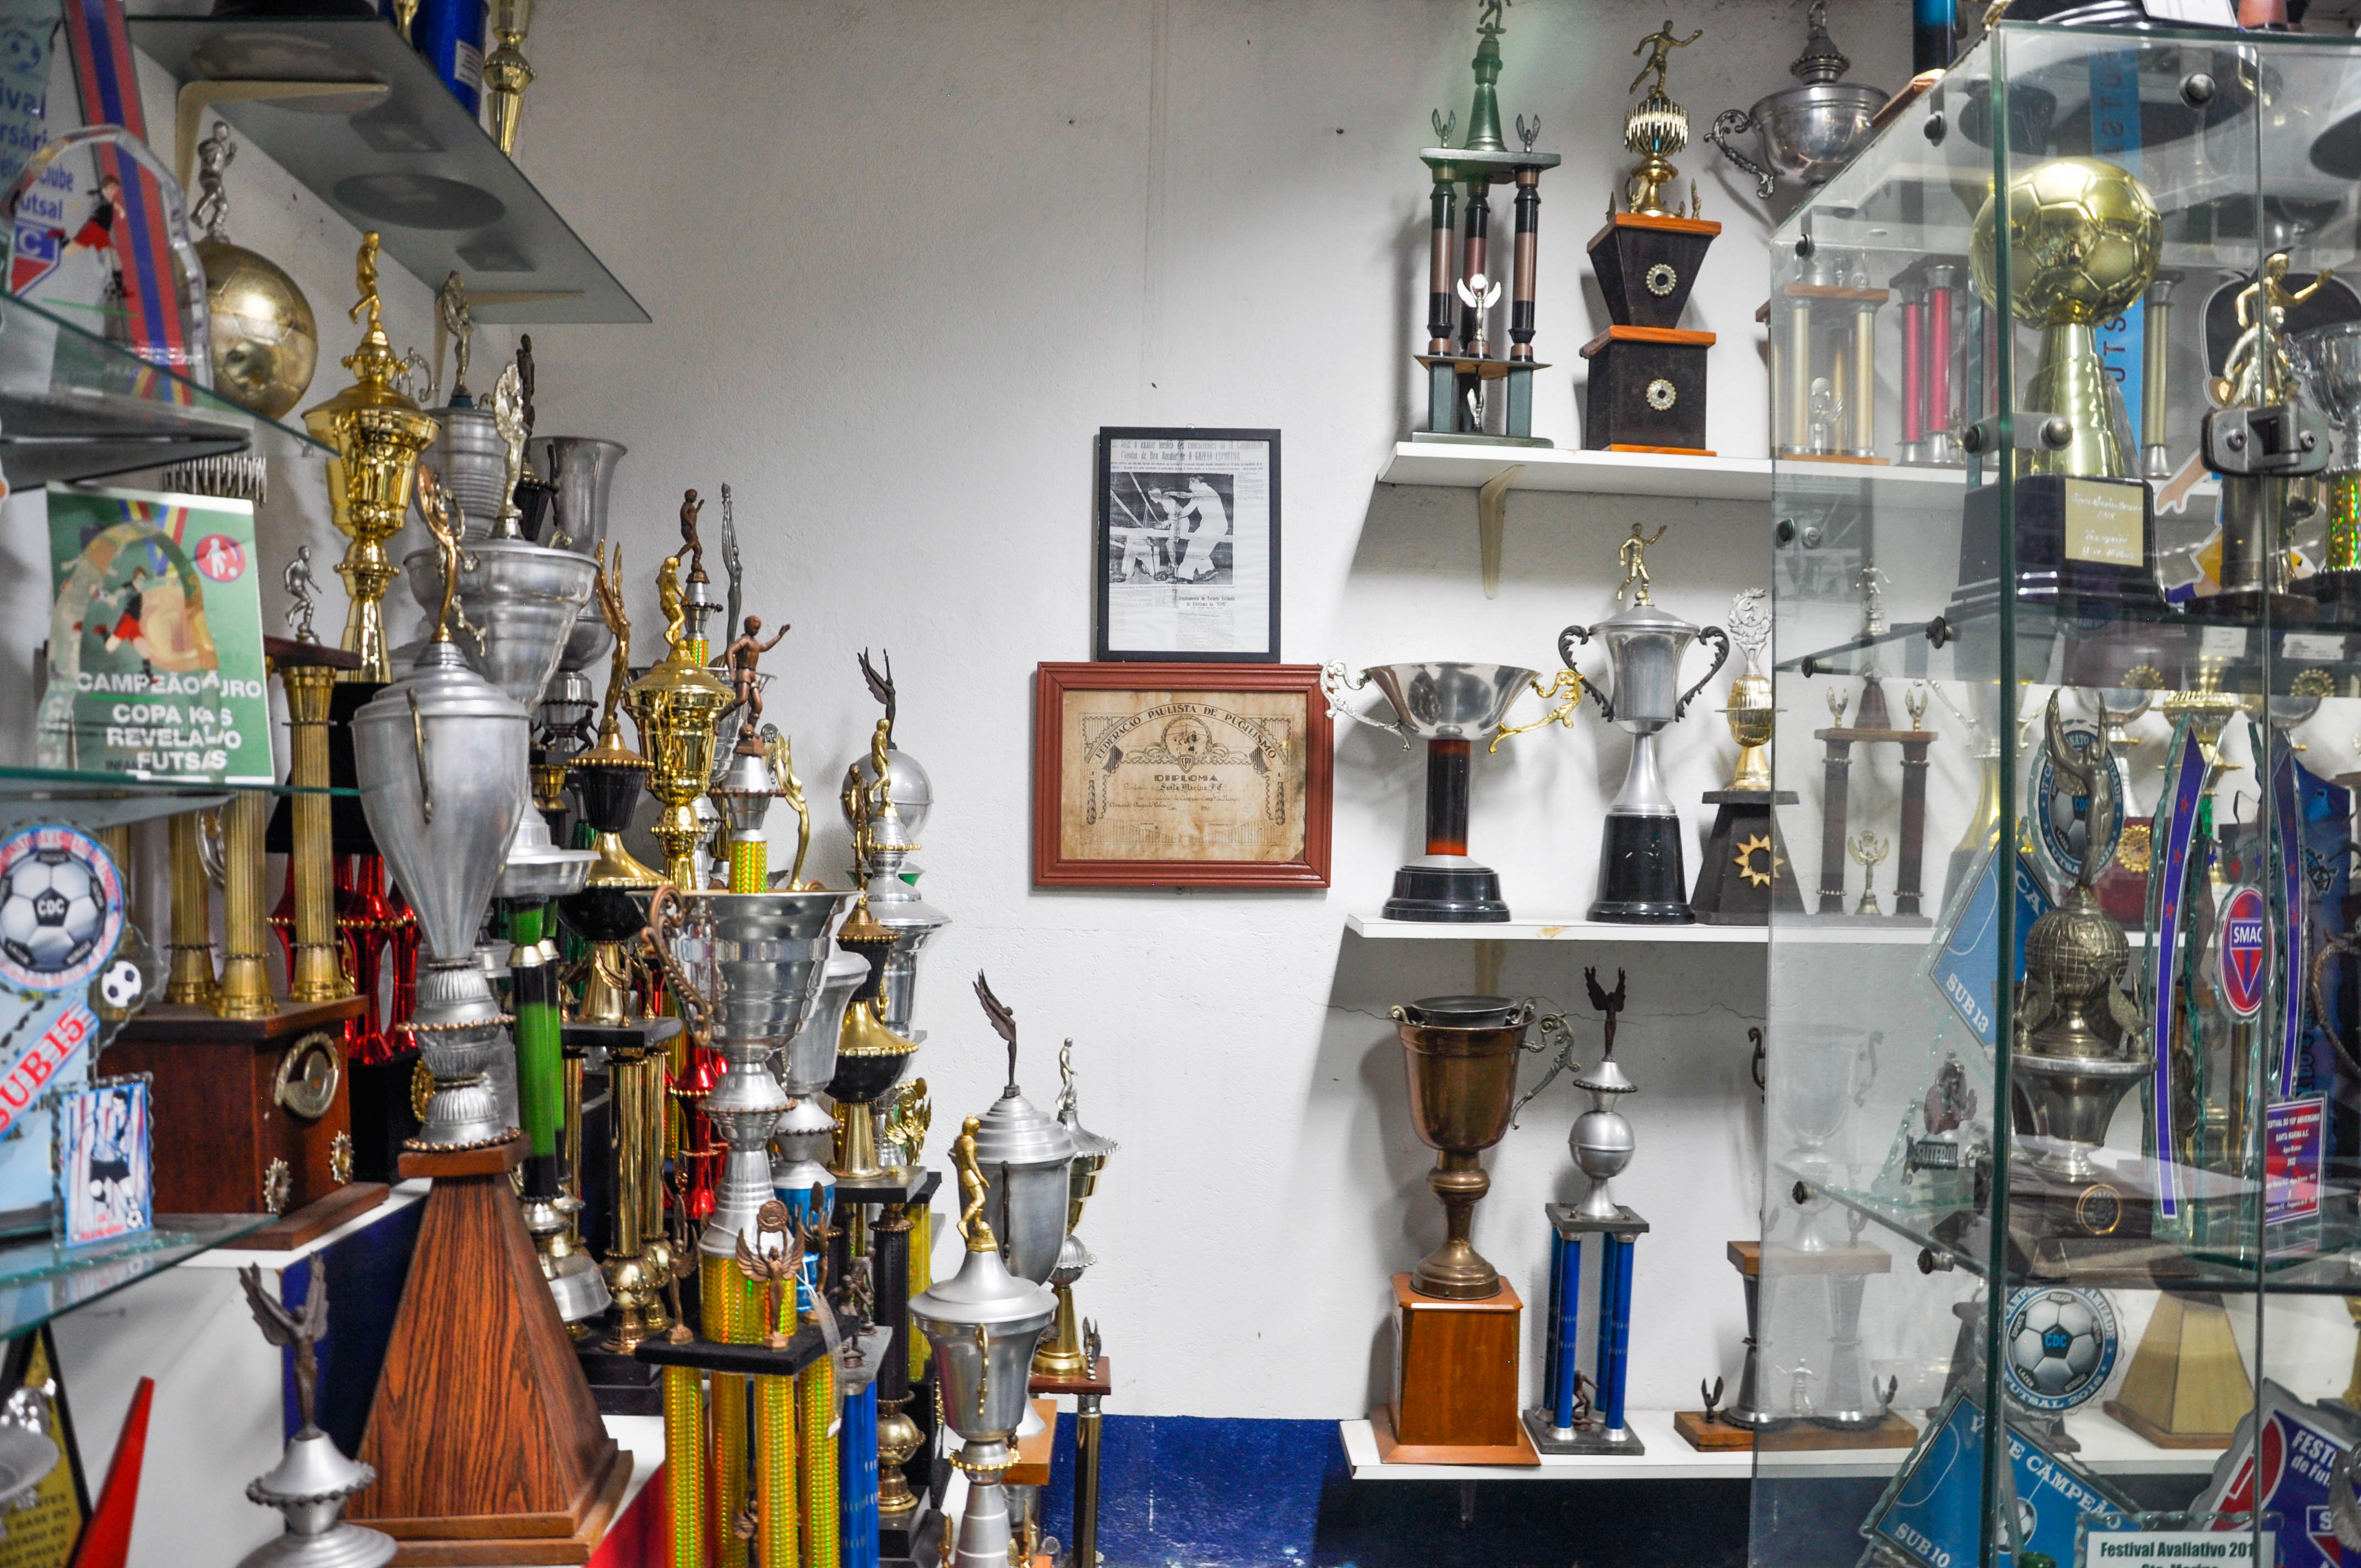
{"type": "Point", "coordinates": [156, 667]}
{"type": "Point", "coordinates": [104, 1161]}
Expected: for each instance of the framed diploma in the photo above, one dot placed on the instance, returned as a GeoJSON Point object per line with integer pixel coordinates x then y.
{"type": "Point", "coordinates": [1186, 550]}
{"type": "Point", "coordinates": [1180, 775]}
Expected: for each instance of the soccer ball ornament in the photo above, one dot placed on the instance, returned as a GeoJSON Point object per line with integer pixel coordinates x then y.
{"type": "Point", "coordinates": [2058, 1345]}
{"type": "Point", "coordinates": [265, 342]}
{"type": "Point", "coordinates": [60, 908]}
{"type": "Point", "coordinates": [2083, 241]}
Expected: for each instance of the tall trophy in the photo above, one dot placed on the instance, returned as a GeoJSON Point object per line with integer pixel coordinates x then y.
{"type": "Point", "coordinates": [2329, 360]}
{"type": "Point", "coordinates": [984, 1324]}
{"type": "Point", "coordinates": [885, 799]}
{"type": "Point", "coordinates": [1061, 1354]}
{"type": "Point", "coordinates": [1455, 1320]}
{"type": "Point", "coordinates": [1648, 373]}
{"type": "Point", "coordinates": [2083, 241]}
{"type": "Point", "coordinates": [1745, 870]}
{"type": "Point", "coordinates": [1641, 877]}
{"type": "Point", "coordinates": [376, 433]}
{"type": "Point", "coordinates": [1026, 1155]}
{"type": "Point", "coordinates": [677, 705]}
{"type": "Point", "coordinates": [1463, 283]}
{"type": "Point", "coordinates": [1450, 706]}
{"type": "Point", "coordinates": [1579, 1420]}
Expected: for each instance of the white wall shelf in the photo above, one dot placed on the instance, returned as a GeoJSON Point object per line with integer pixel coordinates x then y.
{"type": "Point", "coordinates": [1469, 467]}
{"type": "Point", "coordinates": [1570, 929]}
{"type": "Point", "coordinates": [2107, 1449]}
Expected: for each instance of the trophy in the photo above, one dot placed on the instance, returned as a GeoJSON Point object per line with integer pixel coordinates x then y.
{"type": "Point", "coordinates": [984, 1324]}
{"type": "Point", "coordinates": [869, 1056]}
{"type": "Point", "coordinates": [1061, 1354]}
{"type": "Point", "coordinates": [376, 433]}
{"type": "Point", "coordinates": [1872, 724]}
{"type": "Point", "coordinates": [1025, 1157]}
{"type": "Point", "coordinates": [1448, 706]}
{"type": "Point", "coordinates": [1456, 1320]}
{"type": "Point", "coordinates": [2081, 1036]}
{"type": "Point", "coordinates": [2084, 240]}
{"type": "Point", "coordinates": [885, 799]}
{"type": "Point", "coordinates": [312, 1478]}
{"type": "Point", "coordinates": [1458, 361]}
{"type": "Point", "coordinates": [677, 704]}
{"type": "Point", "coordinates": [266, 342]}
{"type": "Point", "coordinates": [1745, 869]}
{"type": "Point", "coordinates": [442, 761]}
{"type": "Point", "coordinates": [2329, 360]}
{"type": "Point", "coordinates": [1640, 872]}
{"type": "Point", "coordinates": [1807, 132]}
{"type": "Point", "coordinates": [1580, 1421]}
{"type": "Point", "coordinates": [1647, 374]}
{"type": "Point", "coordinates": [580, 473]}
{"type": "Point", "coordinates": [506, 72]}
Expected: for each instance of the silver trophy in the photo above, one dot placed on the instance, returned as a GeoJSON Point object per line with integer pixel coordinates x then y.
{"type": "Point", "coordinates": [984, 1324]}
{"type": "Point", "coordinates": [313, 1480]}
{"type": "Point", "coordinates": [885, 823]}
{"type": "Point", "coordinates": [760, 960]}
{"type": "Point", "coordinates": [1641, 877]}
{"type": "Point", "coordinates": [800, 1142]}
{"type": "Point", "coordinates": [1807, 132]}
{"type": "Point", "coordinates": [580, 469]}
{"type": "Point", "coordinates": [440, 755]}
{"type": "Point", "coordinates": [1450, 706]}
{"type": "Point", "coordinates": [1025, 1156]}
{"type": "Point", "coordinates": [1063, 1355]}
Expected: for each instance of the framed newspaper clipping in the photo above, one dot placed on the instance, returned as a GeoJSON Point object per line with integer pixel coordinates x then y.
{"type": "Point", "coordinates": [1186, 550]}
{"type": "Point", "coordinates": [1180, 775]}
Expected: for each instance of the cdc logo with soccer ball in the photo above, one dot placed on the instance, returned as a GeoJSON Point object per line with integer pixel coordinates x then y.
{"type": "Point", "coordinates": [60, 908]}
{"type": "Point", "coordinates": [2061, 1345]}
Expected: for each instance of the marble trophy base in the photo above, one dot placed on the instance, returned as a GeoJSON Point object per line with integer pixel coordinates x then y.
{"type": "Point", "coordinates": [2051, 510]}
{"type": "Point", "coordinates": [1640, 881]}
{"type": "Point", "coordinates": [1446, 889]}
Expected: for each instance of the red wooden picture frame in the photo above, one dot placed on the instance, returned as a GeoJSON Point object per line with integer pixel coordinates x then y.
{"type": "Point", "coordinates": [1050, 686]}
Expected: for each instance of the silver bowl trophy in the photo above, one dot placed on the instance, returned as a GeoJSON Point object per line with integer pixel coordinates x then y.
{"type": "Point", "coordinates": [984, 1324]}
{"type": "Point", "coordinates": [885, 799]}
{"type": "Point", "coordinates": [1641, 880]}
{"type": "Point", "coordinates": [806, 1129]}
{"type": "Point", "coordinates": [1809, 132]}
{"type": "Point", "coordinates": [1026, 1159]}
{"type": "Point", "coordinates": [580, 472]}
{"type": "Point", "coordinates": [440, 756]}
{"type": "Point", "coordinates": [1586, 1415]}
{"type": "Point", "coordinates": [1450, 706]}
{"type": "Point", "coordinates": [312, 1479]}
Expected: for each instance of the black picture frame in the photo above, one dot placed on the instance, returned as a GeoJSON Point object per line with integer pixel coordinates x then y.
{"type": "Point", "coordinates": [1136, 620]}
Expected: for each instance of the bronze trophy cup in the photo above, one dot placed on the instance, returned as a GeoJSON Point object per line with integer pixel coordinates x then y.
{"type": "Point", "coordinates": [1461, 1056]}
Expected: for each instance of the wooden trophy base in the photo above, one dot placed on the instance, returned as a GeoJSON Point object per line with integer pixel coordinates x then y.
{"type": "Point", "coordinates": [1032, 1466]}
{"type": "Point", "coordinates": [2187, 1385]}
{"type": "Point", "coordinates": [487, 1445]}
{"type": "Point", "coordinates": [315, 1219]}
{"type": "Point", "coordinates": [1802, 1437]}
{"type": "Point", "coordinates": [1455, 1397]}
{"type": "Point", "coordinates": [231, 1104]}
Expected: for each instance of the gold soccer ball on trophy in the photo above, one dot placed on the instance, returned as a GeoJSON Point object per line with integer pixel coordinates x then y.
{"type": "Point", "coordinates": [265, 342]}
{"type": "Point", "coordinates": [2083, 240]}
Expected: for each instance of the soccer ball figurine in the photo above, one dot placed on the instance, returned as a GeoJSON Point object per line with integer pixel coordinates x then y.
{"type": "Point", "coordinates": [51, 912]}
{"type": "Point", "coordinates": [2085, 238]}
{"type": "Point", "coordinates": [2061, 1345]}
{"type": "Point", "coordinates": [121, 986]}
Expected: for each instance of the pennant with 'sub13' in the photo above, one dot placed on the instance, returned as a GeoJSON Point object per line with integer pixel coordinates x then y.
{"type": "Point", "coordinates": [156, 667]}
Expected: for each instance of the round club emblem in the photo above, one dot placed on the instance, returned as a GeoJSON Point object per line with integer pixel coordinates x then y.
{"type": "Point", "coordinates": [2058, 1345]}
{"type": "Point", "coordinates": [60, 908]}
{"type": "Point", "coordinates": [1661, 280]}
{"type": "Point", "coordinates": [1662, 394]}
{"type": "Point", "coordinates": [2061, 815]}
{"type": "Point", "coordinates": [2245, 951]}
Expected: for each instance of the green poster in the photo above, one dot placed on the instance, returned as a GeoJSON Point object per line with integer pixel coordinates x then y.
{"type": "Point", "coordinates": [154, 639]}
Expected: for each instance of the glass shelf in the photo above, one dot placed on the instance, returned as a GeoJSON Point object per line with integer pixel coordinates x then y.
{"type": "Point", "coordinates": [398, 154]}
{"type": "Point", "coordinates": [93, 801]}
{"type": "Point", "coordinates": [39, 1281]}
{"type": "Point", "coordinates": [75, 406]}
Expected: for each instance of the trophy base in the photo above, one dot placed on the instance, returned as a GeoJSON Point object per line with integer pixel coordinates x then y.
{"type": "Point", "coordinates": [1455, 1391]}
{"type": "Point", "coordinates": [1647, 389]}
{"type": "Point", "coordinates": [1640, 879]}
{"type": "Point", "coordinates": [1587, 1438]}
{"type": "Point", "coordinates": [1447, 893]}
{"type": "Point", "coordinates": [620, 1385]}
{"type": "Point", "coordinates": [1745, 870]}
{"type": "Point", "coordinates": [2078, 548]}
{"type": "Point", "coordinates": [2337, 593]}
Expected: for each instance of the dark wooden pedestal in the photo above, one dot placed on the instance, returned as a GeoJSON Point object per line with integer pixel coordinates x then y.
{"type": "Point", "coordinates": [221, 1116]}
{"type": "Point", "coordinates": [487, 1445]}
{"type": "Point", "coordinates": [1455, 1398]}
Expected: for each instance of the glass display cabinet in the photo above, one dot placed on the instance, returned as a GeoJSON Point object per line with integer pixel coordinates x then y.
{"type": "Point", "coordinates": [2061, 1256]}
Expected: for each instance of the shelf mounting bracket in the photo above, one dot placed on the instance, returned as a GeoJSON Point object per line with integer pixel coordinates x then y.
{"type": "Point", "coordinates": [197, 98]}
{"type": "Point", "coordinates": [1491, 521]}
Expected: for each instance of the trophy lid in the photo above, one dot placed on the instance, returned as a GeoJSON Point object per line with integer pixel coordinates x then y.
{"type": "Point", "coordinates": [312, 1467]}
{"type": "Point", "coordinates": [1463, 1012]}
{"type": "Point", "coordinates": [983, 1294]}
{"type": "Point", "coordinates": [1821, 60]}
{"type": "Point", "coordinates": [374, 369]}
{"type": "Point", "coordinates": [1015, 1132]}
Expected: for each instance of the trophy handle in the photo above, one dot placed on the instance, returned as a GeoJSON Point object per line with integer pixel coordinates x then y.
{"type": "Point", "coordinates": [1567, 685]}
{"type": "Point", "coordinates": [1565, 641]}
{"type": "Point", "coordinates": [1334, 680]}
{"type": "Point", "coordinates": [1737, 123]}
{"type": "Point", "coordinates": [418, 751]}
{"type": "Point", "coordinates": [1721, 641]}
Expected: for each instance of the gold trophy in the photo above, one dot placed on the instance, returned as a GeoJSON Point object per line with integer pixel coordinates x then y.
{"type": "Point", "coordinates": [677, 704]}
{"type": "Point", "coordinates": [506, 74]}
{"type": "Point", "coordinates": [377, 433]}
{"type": "Point", "coordinates": [1656, 128]}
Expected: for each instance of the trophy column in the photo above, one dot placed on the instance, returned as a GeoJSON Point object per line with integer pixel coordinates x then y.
{"type": "Point", "coordinates": [1580, 1421]}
